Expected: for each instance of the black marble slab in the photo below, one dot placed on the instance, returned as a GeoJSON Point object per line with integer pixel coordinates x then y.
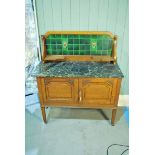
{"type": "Point", "coordinates": [78, 69]}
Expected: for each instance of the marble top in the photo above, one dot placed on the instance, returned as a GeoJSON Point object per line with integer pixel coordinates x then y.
{"type": "Point", "coordinates": [77, 69]}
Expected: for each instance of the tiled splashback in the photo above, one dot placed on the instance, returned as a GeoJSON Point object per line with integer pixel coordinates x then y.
{"type": "Point", "coordinates": [62, 44]}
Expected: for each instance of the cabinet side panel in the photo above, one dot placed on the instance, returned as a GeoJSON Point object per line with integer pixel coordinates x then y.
{"type": "Point", "coordinates": [117, 91]}
{"type": "Point", "coordinates": [40, 90]}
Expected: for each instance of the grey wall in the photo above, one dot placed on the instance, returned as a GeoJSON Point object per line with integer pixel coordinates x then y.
{"type": "Point", "coordinates": [89, 15]}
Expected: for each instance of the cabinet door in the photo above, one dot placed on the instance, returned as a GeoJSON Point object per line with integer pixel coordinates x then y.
{"type": "Point", "coordinates": [61, 91]}
{"type": "Point", "coordinates": [98, 92]}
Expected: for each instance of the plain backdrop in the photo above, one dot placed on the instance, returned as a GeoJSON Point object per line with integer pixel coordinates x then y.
{"type": "Point", "coordinates": [141, 77]}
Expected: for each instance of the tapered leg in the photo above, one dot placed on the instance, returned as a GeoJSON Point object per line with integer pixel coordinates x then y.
{"type": "Point", "coordinates": [43, 114]}
{"type": "Point", "coordinates": [113, 116]}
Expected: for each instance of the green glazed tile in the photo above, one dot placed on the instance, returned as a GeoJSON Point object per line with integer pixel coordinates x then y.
{"type": "Point", "coordinates": [58, 41]}
{"type": "Point", "coordinates": [52, 41]}
{"type": "Point", "coordinates": [76, 36]}
{"type": "Point", "coordinates": [54, 47]}
{"type": "Point", "coordinates": [87, 52]}
{"type": "Point", "coordinates": [65, 44]}
{"type": "Point", "coordinates": [106, 44]}
{"type": "Point", "coordinates": [70, 41]}
{"type": "Point", "coordinates": [108, 52]}
{"type": "Point", "coordinates": [49, 51]}
{"type": "Point", "coordinates": [99, 45]}
{"type": "Point", "coordinates": [85, 36]}
{"type": "Point", "coordinates": [50, 36]}
{"type": "Point", "coordinates": [98, 52]}
{"type": "Point", "coordinates": [58, 36]}
{"type": "Point", "coordinates": [84, 47]}
{"type": "Point", "coordinates": [64, 36]}
{"type": "Point", "coordinates": [48, 47]}
{"type": "Point", "coordinates": [76, 52]}
{"type": "Point", "coordinates": [94, 36]}
{"type": "Point", "coordinates": [93, 45]}
{"type": "Point", "coordinates": [79, 44]}
{"type": "Point", "coordinates": [99, 36]}
{"type": "Point", "coordinates": [59, 47]}
{"type": "Point", "coordinates": [92, 52]}
{"type": "Point", "coordinates": [70, 52]}
{"type": "Point", "coordinates": [76, 47]}
{"type": "Point", "coordinates": [76, 41]}
{"type": "Point", "coordinates": [70, 47]}
{"type": "Point", "coordinates": [71, 36]}
{"type": "Point", "coordinates": [47, 41]}
{"type": "Point", "coordinates": [84, 41]}
{"type": "Point", "coordinates": [54, 52]}
{"type": "Point", "coordinates": [59, 52]}
{"type": "Point", "coordinates": [82, 52]}
{"type": "Point", "coordinates": [65, 52]}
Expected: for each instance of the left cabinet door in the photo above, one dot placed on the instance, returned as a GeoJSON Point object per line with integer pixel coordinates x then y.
{"type": "Point", "coordinates": [58, 91]}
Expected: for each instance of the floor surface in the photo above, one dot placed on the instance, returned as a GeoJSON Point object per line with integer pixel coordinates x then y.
{"type": "Point", "coordinates": [74, 132]}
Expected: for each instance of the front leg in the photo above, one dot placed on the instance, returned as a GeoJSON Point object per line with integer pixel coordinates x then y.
{"type": "Point", "coordinates": [43, 114]}
{"type": "Point", "coordinates": [113, 116]}
{"type": "Point", "coordinates": [40, 82]}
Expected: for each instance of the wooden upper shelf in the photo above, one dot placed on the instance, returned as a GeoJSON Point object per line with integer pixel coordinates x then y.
{"type": "Point", "coordinates": [78, 57]}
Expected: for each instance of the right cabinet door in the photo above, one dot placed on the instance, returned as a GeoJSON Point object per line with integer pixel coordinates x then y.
{"type": "Point", "coordinates": [98, 92]}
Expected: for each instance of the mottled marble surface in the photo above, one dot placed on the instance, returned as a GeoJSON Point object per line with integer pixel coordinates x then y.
{"type": "Point", "coordinates": [77, 69]}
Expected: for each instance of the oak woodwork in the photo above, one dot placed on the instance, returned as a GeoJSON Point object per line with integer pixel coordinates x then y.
{"type": "Point", "coordinates": [98, 91]}
{"type": "Point", "coordinates": [113, 116]}
{"type": "Point", "coordinates": [43, 114]}
{"type": "Point", "coordinates": [78, 58]}
{"type": "Point", "coordinates": [114, 53]}
{"type": "Point", "coordinates": [44, 47]}
{"type": "Point", "coordinates": [60, 91]}
{"type": "Point", "coordinates": [79, 92]}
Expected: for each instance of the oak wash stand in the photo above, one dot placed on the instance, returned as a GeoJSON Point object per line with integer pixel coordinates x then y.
{"type": "Point", "coordinates": [79, 69]}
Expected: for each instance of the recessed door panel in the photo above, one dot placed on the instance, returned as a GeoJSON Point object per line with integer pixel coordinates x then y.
{"type": "Point", "coordinates": [58, 89]}
{"type": "Point", "coordinates": [97, 92]}
{"type": "Point", "coordinates": [61, 91]}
